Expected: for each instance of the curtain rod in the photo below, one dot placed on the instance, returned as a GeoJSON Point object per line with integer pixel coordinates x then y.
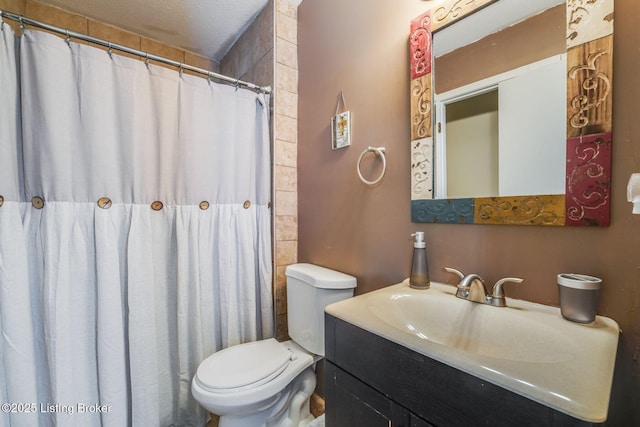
{"type": "Point", "coordinates": [181, 66]}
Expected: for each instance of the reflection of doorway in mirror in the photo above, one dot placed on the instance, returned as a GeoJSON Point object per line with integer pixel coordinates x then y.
{"type": "Point", "coordinates": [472, 146]}
{"type": "Point", "coordinates": [531, 134]}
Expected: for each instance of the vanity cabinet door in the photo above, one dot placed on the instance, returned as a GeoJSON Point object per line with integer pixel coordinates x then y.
{"type": "Point", "coordinates": [352, 403]}
{"type": "Point", "coordinates": [419, 422]}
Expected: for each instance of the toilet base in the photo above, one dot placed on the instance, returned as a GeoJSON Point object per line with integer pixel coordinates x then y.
{"type": "Point", "coordinates": [291, 408]}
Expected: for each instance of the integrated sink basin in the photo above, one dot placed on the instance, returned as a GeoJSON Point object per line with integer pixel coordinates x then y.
{"type": "Point", "coordinates": [527, 348]}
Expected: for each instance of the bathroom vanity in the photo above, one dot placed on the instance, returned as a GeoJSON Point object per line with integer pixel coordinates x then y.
{"type": "Point", "coordinates": [401, 357]}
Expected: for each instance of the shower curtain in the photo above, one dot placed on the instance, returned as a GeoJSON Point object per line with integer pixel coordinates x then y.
{"type": "Point", "coordinates": [135, 235]}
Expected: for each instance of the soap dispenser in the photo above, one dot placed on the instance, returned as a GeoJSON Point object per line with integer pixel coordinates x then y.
{"type": "Point", "coordinates": [419, 278]}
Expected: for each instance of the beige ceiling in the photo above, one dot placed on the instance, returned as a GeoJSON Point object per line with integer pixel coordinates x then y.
{"type": "Point", "coordinates": [206, 27]}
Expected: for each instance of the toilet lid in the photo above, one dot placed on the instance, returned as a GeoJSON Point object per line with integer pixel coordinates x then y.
{"type": "Point", "coordinates": [242, 365]}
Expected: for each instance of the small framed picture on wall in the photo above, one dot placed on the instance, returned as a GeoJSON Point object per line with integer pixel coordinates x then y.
{"type": "Point", "coordinates": [341, 130]}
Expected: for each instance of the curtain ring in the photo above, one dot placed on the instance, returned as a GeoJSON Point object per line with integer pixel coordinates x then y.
{"type": "Point", "coordinates": [379, 152]}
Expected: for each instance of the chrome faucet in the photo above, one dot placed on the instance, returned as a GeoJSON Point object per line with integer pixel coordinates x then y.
{"type": "Point", "coordinates": [472, 288]}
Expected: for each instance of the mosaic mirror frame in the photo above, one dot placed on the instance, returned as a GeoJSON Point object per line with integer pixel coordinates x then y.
{"type": "Point", "coordinates": [587, 198]}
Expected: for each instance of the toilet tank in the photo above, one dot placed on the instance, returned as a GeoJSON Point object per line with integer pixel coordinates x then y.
{"type": "Point", "coordinates": [310, 288]}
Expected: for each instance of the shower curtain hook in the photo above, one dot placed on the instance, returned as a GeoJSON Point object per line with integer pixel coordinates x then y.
{"type": "Point", "coordinates": [110, 50]}
{"type": "Point", "coordinates": [181, 69]}
{"type": "Point", "coordinates": [68, 38]}
{"type": "Point", "coordinates": [146, 61]}
{"type": "Point", "coordinates": [237, 84]}
{"type": "Point", "coordinates": [21, 23]}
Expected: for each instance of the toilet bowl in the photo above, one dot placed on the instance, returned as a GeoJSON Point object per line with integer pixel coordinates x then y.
{"type": "Point", "coordinates": [243, 383]}
{"type": "Point", "coordinates": [269, 383]}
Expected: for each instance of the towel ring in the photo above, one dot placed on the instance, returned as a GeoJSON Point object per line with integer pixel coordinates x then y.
{"type": "Point", "coordinates": [379, 152]}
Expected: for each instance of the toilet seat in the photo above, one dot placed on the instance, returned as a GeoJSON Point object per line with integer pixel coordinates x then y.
{"type": "Point", "coordinates": [259, 392]}
{"type": "Point", "coordinates": [243, 366]}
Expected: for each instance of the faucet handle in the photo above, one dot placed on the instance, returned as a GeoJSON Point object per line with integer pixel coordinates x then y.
{"type": "Point", "coordinates": [497, 293]}
{"type": "Point", "coordinates": [454, 271]}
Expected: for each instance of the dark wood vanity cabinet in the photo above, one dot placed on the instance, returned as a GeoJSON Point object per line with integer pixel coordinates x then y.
{"type": "Point", "coordinates": [355, 404]}
{"type": "Point", "coordinates": [371, 381]}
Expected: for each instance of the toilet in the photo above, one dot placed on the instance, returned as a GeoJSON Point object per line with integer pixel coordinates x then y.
{"type": "Point", "coordinates": [269, 383]}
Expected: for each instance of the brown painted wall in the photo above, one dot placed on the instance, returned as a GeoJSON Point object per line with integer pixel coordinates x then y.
{"type": "Point", "coordinates": [539, 37]}
{"type": "Point", "coordinates": [361, 48]}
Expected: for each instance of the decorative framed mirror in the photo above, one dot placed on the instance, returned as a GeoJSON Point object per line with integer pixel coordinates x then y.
{"type": "Point", "coordinates": [511, 106]}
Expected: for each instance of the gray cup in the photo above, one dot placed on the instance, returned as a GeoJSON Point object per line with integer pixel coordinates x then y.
{"type": "Point", "coordinates": [579, 297]}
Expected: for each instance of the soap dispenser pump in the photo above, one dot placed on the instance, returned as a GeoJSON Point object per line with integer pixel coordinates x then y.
{"type": "Point", "coordinates": [419, 278]}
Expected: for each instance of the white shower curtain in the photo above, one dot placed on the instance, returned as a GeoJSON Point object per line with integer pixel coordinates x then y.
{"type": "Point", "coordinates": [135, 235]}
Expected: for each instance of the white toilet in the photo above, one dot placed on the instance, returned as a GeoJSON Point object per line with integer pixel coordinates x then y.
{"type": "Point", "coordinates": [268, 383]}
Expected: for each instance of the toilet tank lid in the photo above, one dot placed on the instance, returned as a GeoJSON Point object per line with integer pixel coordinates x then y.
{"type": "Point", "coordinates": [321, 277]}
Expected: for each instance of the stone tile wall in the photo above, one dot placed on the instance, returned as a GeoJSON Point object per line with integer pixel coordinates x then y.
{"type": "Point", "coordinates": [285, 154]}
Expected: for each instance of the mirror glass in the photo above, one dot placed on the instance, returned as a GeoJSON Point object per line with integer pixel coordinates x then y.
{"type": "Point", "coordinates": [508, 130]}
{"type": "Point", "coordinates": [496, 133]}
